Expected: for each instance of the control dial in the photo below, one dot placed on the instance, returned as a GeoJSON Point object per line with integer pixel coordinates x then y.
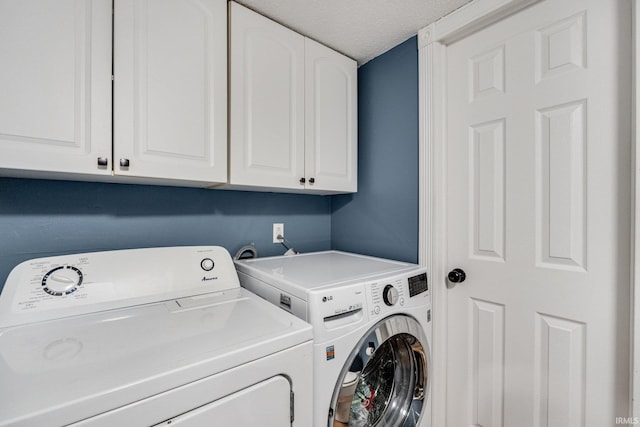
{"type": "Point", "coordinates": [63, 280]}
{"type": "Point", "coordinates": [390, 295]}
{"type": "Point", "coordinates": [207, 264]}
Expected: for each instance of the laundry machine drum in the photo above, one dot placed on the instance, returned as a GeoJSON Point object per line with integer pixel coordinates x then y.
{"type": "Point", "coordinates": [385, 380]}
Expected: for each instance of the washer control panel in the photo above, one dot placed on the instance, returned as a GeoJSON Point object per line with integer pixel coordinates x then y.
{"type": "Point", "coordinates": [404, 290]}
{"type": "Point", "coordinates": [50, 288]}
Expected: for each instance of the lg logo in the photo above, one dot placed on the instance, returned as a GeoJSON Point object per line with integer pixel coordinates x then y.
{"type": "Point", "coordinates": [329, 298]}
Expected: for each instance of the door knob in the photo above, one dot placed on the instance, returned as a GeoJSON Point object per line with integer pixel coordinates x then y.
{"type": "Point", "coordinates": [457, 275]}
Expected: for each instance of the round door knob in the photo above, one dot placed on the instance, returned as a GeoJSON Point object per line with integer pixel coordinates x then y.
{"type": "Point", "coordinates": [457, 275]}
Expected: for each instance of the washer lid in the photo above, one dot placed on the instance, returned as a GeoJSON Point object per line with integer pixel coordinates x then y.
{"type": "Point", "coordinates": [68, 369]}
{"type": "Point", "coordinates": [300, 273]}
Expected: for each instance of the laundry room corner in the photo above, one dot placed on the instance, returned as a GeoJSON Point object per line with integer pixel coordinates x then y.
{"type": "Point", "coordinates": [381, 219]}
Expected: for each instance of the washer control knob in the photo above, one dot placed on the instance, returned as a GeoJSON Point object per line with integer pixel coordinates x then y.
{"type": "Point", "coordinates": [390, 295]}
{"type": "Point", "coordinates": [63, 280]}
{"type": "Point", "coordinates": [207, 264]}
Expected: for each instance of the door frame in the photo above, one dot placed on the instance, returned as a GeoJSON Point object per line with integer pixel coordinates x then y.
{"type": "Point", "coordinates": [432, 228]}
{"type": "Point", "coordinates": [635, 215]}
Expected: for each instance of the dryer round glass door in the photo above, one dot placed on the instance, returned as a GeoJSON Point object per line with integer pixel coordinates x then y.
{"type": "Point", "coordinates": [385, 380]}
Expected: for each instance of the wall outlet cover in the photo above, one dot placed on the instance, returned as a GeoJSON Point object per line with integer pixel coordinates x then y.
{"type": "Point", "coordinates": [278, 230]}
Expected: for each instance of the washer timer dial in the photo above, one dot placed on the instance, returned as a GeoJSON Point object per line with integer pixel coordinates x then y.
{"type": "Point", "coordinates": [63, 280]}
{"type": "Point", "coordinates": [390, 295]}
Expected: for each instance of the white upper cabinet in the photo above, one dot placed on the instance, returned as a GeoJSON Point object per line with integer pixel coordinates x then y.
{"type": "Point", "coordinates": [170, 89]}
{"type": "Point", "coordinates": [266, 81]}
{"type": "Point", "coordinates": [330, 119]}
{"type": "Point", "coordinates": [55, 86]}
{"type": "Point", "coordinates": [292, 119]}
{"type": "Point", "coordinates": [293, 114]}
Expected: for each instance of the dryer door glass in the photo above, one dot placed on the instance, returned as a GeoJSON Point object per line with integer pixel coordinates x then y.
{"type": "Point", "coordinates": [385, 380]}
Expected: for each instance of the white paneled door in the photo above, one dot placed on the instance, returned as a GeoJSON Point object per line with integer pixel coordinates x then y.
{"type": "Point", "coordinates": [538, 203]}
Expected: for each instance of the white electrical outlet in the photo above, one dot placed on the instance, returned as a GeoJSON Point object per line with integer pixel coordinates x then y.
{"type": "Point", "coordinates": [278, 230]}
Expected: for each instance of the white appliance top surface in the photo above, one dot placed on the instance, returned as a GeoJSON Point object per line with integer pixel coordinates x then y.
{"type": "Point", "coordinates": [67, 285]}
{"type": "Point", "coordinates": [66, 369]}
{"type": "Point", "coordinates": [305, 272]}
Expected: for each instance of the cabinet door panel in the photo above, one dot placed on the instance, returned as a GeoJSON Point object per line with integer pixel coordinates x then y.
{"type": "Point", "coordinates": [170, 89]}
{"type": "Point", "coordinates": [55, 85]}
{"type": "Point", "coordinates": [331, 117]}
{"type": "Point", "coordinates": [267, 104]}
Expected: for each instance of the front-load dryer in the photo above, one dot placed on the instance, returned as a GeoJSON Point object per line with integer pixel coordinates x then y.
{"type": "Point", "coordinates": [142, 337]}
{"type": "Point", "coordinates": [371, 321]}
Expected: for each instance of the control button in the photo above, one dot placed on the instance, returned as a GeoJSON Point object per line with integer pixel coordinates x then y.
{"type": "Point", "coordinates": [63, 280]}
{"type": "Point", "coordinates": [207, 264]}
{"type": "Point", "coordinates": [390, 295]}
{"type": "Point", "coordinates": [401, 301]}
{"type": "Point", "coordinates": [376, 309]}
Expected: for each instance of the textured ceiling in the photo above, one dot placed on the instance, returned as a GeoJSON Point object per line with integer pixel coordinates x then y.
{"type": "Point", "coordinates": [360, 29]}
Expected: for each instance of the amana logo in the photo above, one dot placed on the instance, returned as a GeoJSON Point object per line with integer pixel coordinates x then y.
{"type": "Point", "coordinates": [206, 279]}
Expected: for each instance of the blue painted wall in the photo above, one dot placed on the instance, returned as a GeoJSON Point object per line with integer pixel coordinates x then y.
{"type": "Point", "coordinates": [382, 218]}
{"type": "Point", "coordinates": [44, 218]}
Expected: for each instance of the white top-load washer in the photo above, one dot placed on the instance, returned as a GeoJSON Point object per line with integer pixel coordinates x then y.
{"type": "Point", "coordinates": [371, 321]}
{"type": "Point", "coordinates": [161, 336]}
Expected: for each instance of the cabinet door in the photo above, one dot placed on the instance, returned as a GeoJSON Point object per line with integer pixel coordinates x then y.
{"type": "Point", "coordinates": [170, 89]}
{"type": "Point", "coordinates": [331, 120]}
{"type": "Point", "coordinates": [267, 102]}
{"type": "Point", "coordinates": [55, 86]}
